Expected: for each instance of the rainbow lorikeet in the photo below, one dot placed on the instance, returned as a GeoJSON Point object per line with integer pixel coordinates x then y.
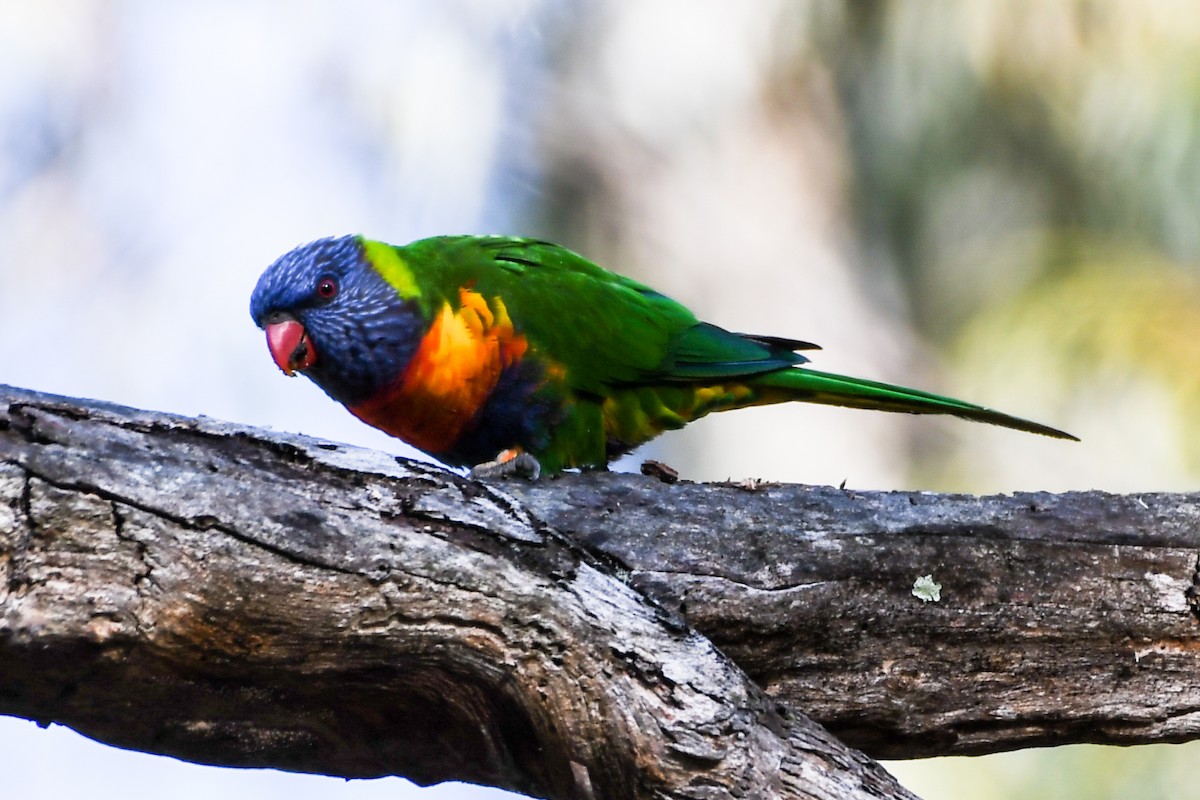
{"type": "Point", "coordinates": [472, 346]}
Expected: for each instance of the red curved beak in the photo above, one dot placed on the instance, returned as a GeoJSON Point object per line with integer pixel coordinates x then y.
{"type": "Point", "coordinates": [290, 346]}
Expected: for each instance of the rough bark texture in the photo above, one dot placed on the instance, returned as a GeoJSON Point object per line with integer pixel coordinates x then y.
{"type": "Point", "coordinates": [233, 597]}
{"type": "Point", "coordinates": [1062, 618]}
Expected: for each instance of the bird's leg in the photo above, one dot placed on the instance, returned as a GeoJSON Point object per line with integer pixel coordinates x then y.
{"type": "Point", "coordinates": [513, 461]}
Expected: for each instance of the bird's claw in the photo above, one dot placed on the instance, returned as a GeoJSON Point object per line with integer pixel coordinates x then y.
{"type": "Point", "coordinates": [509, 462]}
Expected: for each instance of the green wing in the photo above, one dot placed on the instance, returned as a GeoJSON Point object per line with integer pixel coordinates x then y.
{"type": "Point", "coordinates": [605, 329]}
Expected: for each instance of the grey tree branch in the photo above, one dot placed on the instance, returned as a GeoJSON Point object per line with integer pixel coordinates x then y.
{"type": "Point", "coordinates": [1062, 618]}
{"type": "Point", "coordinates": [234, 597]}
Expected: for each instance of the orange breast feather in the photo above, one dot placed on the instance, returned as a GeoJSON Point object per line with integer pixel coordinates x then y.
{"type": "Point", "coordinates": [451, 375]}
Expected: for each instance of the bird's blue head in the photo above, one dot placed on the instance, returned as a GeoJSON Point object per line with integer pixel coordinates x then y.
{"type": "Point", "coordinates": [329, 314]}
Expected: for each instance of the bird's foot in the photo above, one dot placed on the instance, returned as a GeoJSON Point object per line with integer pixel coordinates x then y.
{"type": "Point", "coordinates": [509, 462]}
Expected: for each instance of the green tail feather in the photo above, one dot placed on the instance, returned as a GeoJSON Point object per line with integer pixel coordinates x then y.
{"type": "Point", "coordinates": [839, 390]}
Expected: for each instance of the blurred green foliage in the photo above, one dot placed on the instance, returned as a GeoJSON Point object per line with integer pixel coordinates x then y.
{"type": "Point", "coordinates": [1031, 173]}
{"type": "Point", "coordinates": [970, 123]}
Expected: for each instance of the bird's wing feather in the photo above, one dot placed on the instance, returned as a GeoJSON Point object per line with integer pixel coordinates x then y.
{"type": "Point", "coordinates": [605, 329]}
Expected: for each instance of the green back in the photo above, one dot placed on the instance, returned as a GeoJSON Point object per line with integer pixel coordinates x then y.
{"type": "Point", "coordinates": [605, 329]}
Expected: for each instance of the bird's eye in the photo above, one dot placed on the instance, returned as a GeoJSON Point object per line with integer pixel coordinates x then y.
{"type": "Point", "coordinates": [327, 288]}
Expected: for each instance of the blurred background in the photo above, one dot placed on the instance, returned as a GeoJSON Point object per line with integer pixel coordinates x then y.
{"type": "Point", "coordinates": [997, 200]}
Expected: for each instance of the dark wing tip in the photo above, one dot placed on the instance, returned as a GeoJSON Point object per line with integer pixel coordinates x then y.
{"type": "Point", "coordinates": [780, 342]}
{"type": "Point", "coordinates": [1046, 430]}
